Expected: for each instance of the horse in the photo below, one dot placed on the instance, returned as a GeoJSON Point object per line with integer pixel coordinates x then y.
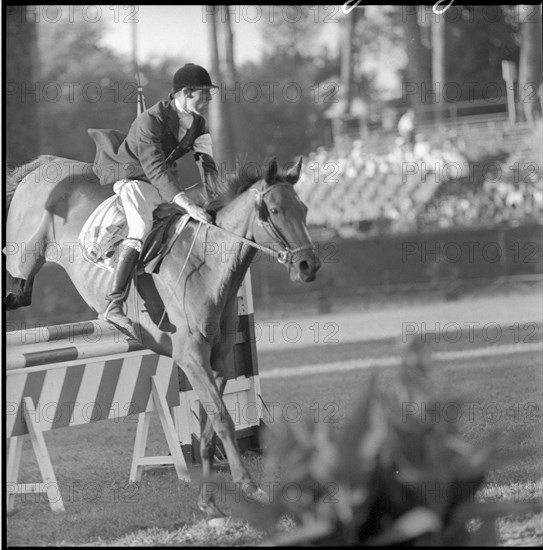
{"type": "Point", "coordinates": [186, 311]}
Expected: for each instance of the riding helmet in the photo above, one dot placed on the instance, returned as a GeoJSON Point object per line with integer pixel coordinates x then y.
{"type": "Point", "coordinates": [191, 76]}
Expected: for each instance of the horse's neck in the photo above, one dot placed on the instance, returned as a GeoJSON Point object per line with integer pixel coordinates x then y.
{"type": "Point", "coordinates": [233, 255]}
{"type": "Point", "coordinates": [237, 216]}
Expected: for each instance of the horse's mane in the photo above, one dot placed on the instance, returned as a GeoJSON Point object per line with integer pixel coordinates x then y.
{"type": "Point", "coordinates": [227, 189]}
{"type": "Point", "coordinates": [16, 174]}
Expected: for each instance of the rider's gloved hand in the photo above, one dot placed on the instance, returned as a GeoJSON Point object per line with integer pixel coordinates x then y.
{"type": "Point", "coordinates": [193, 210]}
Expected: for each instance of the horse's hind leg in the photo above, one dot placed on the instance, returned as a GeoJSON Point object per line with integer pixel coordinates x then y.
{"type": "Point", "coordinates": [24, 258]}
{"type": "Point", "coordinates": [19, 293]}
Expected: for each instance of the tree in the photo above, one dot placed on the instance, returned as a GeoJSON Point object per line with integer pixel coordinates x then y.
{"type": "Point", "coordinates": [229, 78]}
{"type": "Point", "coordinates": [438, 58]}
{"type": "Point", "coordinates": [417, 70]}
{"type": "Point", "coordinates": [478, 39]}
{"type": "Point", "coordinates": [347, 44]}
{"type": "Point", "coordinates": [99, 93]}
{"type": "Point", "coordinates": [23, 88]}
{"type": "Point", "coordinates": [281, 104]}
{"type": "Point", "coordinates": [530, 62]}
{"type": "Point", "coordinates": [221, 39]}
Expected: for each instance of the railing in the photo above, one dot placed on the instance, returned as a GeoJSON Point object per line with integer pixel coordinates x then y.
{"type": "Point", "coordinates": [464, 115]}
{"type": "Point", "coordinates": [481, 108]}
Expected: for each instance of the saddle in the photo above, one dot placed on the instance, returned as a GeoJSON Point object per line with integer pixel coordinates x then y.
{"type": "Point", "coordinates": [161, 238]}
{"type": "Point", "coordinates": [107, 143]}
{"type": "Point", "coordinates": [168, 223]}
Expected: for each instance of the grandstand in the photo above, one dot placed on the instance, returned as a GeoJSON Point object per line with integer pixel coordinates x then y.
{"type": "Point", "coordinates": [475, 171]}
{"type": "Point", "coordinates": [508, 192]}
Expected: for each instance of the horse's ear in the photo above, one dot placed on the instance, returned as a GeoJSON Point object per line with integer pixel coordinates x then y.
{"type": "Point", "coordinates": [271, 172]}
{"type": "Point", "coordinates": [293, 175]}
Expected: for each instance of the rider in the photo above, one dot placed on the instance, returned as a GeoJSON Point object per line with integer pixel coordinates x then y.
{"type": "Point", "coordinates": [144, 173]}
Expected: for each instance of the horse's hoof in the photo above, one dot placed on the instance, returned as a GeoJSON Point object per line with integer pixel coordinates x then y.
{"type": "Point", "coordinates": [11, 302]}
{"type": "Point", "coordinates": [254, 493]}
{"type": "Point", "coordinates": [211, 510]}
{"type": "Point", "coordinates": [218, 523]}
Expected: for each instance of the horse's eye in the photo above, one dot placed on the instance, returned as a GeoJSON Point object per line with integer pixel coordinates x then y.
{"type": "Point", "coordinates": [274, 210]}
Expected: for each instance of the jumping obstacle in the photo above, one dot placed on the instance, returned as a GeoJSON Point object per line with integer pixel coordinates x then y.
{"type": "Point", "coordinates": [77, 373]}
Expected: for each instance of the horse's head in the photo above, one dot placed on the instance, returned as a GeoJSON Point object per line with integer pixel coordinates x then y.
{"type": "Point", "coordinates": [281, 222]}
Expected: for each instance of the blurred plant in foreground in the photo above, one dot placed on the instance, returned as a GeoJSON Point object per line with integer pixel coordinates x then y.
{"type": "Point", "coordinates": [387, 478]}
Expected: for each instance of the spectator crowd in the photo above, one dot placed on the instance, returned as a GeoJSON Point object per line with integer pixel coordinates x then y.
{"type": "Point", "coordinates": [416, 187]}
{"type": "Point", "coordinates": [511, 193]}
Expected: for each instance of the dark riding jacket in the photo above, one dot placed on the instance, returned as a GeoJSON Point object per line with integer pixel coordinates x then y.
{"type": "Point", "coordinates": [150, 149]}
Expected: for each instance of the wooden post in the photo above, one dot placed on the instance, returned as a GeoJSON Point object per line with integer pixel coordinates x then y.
{"type": "Point", "coordinates": [42, 456]}
{"type": "Point", "coordinates": [509, 75]}
{"type": "Point", "coordinates": [139, 460]}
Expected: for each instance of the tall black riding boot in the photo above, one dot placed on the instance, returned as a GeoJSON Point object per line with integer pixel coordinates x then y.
{"type": "Point", "coordinates": [126, 263]}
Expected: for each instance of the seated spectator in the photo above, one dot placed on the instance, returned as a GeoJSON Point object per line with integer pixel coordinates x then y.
{"type": "Point", "coordinates": [421, 149]}
{"type": "Point", "coordinates": [406, 127]}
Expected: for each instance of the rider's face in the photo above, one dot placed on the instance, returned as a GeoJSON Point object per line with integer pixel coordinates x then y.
{"type": "Point", "coordinates": [197, 100]}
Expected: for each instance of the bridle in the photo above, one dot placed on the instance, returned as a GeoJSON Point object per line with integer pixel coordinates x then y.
{"type": "Point", "coordinates": [264, 220]}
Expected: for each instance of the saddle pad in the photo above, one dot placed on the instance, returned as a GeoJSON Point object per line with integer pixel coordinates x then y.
{"type": "Point", "coordinates": [105, 227]}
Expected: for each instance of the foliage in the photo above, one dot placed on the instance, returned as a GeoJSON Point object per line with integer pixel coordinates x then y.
{"type": "Point", "coordinates": [287, 119]}
{"type": "Point", "coordinates": [390, 477]}
{"type": "Point", "coordinates": [97, 93]}
{"type": "Point", "coordinates": [274, 123]}
{"type": "Point", "coordinates": [480, 37]}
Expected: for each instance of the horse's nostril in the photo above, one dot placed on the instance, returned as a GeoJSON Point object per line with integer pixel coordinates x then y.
{"type": "Point", "coordinates": [304, 266]}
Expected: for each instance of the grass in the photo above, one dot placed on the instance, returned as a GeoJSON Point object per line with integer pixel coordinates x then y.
{"type": "Point", "coordinates": [522, 333]}
{"type": "Point", "coordinates": [92, 462]}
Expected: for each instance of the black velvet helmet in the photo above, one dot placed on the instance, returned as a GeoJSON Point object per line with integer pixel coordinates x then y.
{"type": "Point", "coordinates": [191, 76]}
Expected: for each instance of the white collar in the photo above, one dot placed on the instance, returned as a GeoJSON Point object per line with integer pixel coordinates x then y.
{"type": "Point", "coordinates": [183, 114]}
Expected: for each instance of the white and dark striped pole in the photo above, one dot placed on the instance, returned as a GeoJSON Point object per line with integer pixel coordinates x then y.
{"type": "Point", "coordinates": [141, 98]}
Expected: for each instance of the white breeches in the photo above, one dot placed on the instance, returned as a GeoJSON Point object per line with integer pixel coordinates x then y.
{"type": "Point", "coordinates": [139, 199]}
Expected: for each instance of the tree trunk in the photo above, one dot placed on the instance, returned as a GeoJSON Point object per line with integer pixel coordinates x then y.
{"type": "Point", "coordinates": [347, 60]}
{"type": "Point", "coordinates": [438, 63]}
{"type": "Point", "coordinates": [23, 89]}
{"type": "Point", "coordinates": [530, 62]}
{"type": "Point", "coordinates": [418, 74]}
{"type": "Point", "coordinates": [215, 111]}
{"type": "Point", "coordinates": [231, 83]}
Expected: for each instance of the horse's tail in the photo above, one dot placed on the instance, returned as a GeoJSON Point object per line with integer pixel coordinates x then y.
{"type": "Point", "coordinates": [15, 175]}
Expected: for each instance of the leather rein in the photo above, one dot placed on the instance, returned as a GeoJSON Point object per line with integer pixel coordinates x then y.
{"type": "Point", "coordinates": [282, 256]}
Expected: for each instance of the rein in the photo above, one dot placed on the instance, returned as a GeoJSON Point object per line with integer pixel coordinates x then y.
{"type": "Point", "coordinates": [282, 256]}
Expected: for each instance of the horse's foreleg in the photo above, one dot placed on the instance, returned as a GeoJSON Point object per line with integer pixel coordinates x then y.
{"type": "Point", "coordinates": [208, 446]}
{"type": "Point", "coordinates": [202, 380]}
{"type": "Point", "coordinates": [208, 437]}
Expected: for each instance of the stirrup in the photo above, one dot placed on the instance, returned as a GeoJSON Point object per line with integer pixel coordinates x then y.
{"type": "Point", "coordinates": [110, 306]}
{"type": "Point", "coordinates": [120, 321]}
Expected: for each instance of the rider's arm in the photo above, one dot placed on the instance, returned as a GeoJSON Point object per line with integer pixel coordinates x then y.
{"type": "Point", "coordinates": [203, 154]}
{"type": "Point", "coordinates": [193, 210]}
